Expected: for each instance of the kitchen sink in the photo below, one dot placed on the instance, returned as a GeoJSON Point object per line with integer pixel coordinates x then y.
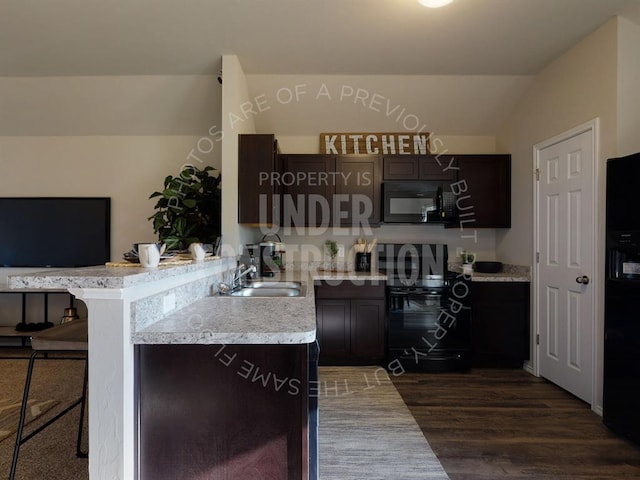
{"type": "Point", "coordinates": [275, 284]}
{"type": "Point", "coordinates": [271, 289]}
{"type": "Point", "coordinates": [267, 292]}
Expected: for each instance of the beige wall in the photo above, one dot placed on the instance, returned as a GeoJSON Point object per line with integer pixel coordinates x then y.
{"type": "Point", "coordinates": [109, 105]}
{"type": "Point", "coordinates": [577, 87]}
{"type": "Point", "coordinates": [234, 122]}
{"type": "Point", "coordinates": [126, 168]}
{"type": "Point", "coordinates": [106, 136]}
{"type": "Point", "coordinates": [628, 83]}
{"type": "Point", "coordinates": [466, 105]}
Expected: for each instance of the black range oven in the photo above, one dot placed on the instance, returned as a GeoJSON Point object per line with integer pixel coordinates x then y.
{"type": "Point", "coordinates": [428, 311]}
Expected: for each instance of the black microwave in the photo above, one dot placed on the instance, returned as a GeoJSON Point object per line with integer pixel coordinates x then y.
{"type": "Point", "coordinates": [418, 202]}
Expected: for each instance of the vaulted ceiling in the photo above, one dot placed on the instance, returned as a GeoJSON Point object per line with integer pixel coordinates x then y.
{"type": "Point", "coordinates": [133, 37]}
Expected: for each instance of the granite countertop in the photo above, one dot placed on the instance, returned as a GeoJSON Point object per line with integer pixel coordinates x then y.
{"type": "Point", "coordinates": [102, 276]}
{"type": "Point", "coordinates": [221, 319]}
{"type": "Point", "coordinates": [509, 273]}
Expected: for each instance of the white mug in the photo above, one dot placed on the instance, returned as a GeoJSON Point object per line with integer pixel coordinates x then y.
{"type": "Point", "coordinates": [197, 252]}
{"type": "Point", "coordinates": [149, 255]}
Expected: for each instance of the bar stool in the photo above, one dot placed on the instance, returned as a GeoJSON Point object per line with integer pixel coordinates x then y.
{"type": "Point", "coordinates": [66, 337]}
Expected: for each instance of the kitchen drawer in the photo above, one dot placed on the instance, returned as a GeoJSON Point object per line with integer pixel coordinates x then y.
{"type": "Point", "coordinates": [346, 289]}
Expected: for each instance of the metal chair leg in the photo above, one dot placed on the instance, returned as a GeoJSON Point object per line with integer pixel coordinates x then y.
{"type": "Point", "coordinates": [79, 452]}
{"type": "Point", "coordinates": [23, 412]}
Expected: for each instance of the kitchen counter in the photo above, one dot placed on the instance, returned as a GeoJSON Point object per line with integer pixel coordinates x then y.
{"type": "Point", "coordinates": [102, 276]}
{"type": "Point", "coordinates": [243, 320]}
{"type": "Point", "coordinates": [509, 273]}
{"type": "Point", "coordinates": [223, 319]}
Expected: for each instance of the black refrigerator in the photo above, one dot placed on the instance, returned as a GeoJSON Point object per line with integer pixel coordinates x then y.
{"type": "Point", "coordinates": [621, 400]}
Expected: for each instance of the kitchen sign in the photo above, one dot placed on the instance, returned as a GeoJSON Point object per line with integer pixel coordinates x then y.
{"type": "Point", "coordinates": [404, 143]}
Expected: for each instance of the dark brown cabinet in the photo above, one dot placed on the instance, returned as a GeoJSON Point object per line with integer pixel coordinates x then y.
{"type": "Point", "coordinates": [351, 323]}
{"type": "Point", "coordinates": [484, 186]}
{"type": "Point", "coordinates": [257, 161]}
{"type": "Point", "coordinates": [358, 190]}
{"type": "Point", "coordinates": [307, 190]}
{"type": "Point", "coordinates": [313, 190]}
{"type": "Point", "coordinates": [500, 320]}
{"type": "Point", "coordinates": [324, 190]}
{"type": "Point", "coordinates": [429, 167]}
{"type": "Point", "coordinates": [227, 410]}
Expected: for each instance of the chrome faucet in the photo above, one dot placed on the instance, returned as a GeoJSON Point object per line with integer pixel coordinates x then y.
{"type": "Point", "coordinates": [241, 272]}
{"type": "Point", "coordinates": [237, 280]}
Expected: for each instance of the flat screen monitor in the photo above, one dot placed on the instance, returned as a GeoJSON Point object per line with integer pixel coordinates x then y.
{"type": "Point", "coordinates": [55, 231]}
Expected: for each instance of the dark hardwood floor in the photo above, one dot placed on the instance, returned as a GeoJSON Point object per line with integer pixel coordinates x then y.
{"type": "Point", "coordinates": [492, 424]}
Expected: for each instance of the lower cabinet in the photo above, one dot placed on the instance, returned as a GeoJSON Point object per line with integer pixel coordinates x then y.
{"type": "Point", "coordinates": [227, 412]}
{"type": "Point", "coordinates": [351, 323]}
{"type": "Point", "coordinates": [500, 321]}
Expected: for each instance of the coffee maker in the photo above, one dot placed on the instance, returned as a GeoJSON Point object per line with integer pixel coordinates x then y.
{"type": "Point", "coordinates": [271, 256]}
{"type": "Point", "coordinates": [267, 256]}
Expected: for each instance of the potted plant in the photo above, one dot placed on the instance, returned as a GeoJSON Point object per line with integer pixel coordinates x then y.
{"type": "Point", "coordinates": [188, 208]}
{"type": "Point", "coordinates": [332, 249]}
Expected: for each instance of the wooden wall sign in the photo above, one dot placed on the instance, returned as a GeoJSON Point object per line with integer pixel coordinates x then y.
{"type": "Point", "coordinates": [404, 143]}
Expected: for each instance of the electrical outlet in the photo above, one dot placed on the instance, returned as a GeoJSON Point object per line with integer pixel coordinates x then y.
{"type": "Point", "coordinates": [341, 251]}
{"type": "Point", "coordinates": [459, 251]}
{"type": "Point", "coordinates": [169, 303]}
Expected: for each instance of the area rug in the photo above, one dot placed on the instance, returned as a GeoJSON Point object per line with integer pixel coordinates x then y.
{"type": "Point", "coordinates": [367, 432]}
{"type": "Point", "coordinates": [10, 414]}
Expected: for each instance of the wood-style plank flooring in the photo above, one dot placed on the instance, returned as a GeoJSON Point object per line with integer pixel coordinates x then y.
{"type": "Point", "coordinates": [493, 424]}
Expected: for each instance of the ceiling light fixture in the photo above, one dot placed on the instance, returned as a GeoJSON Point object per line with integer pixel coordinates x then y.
{"type": "Point", "coordinates": [434, 3]}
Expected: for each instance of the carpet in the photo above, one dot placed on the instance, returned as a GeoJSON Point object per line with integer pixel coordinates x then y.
{"type": "Point", "coordinates": [367, 431]}
{"type": "Point", "coordinates": [10, 414]}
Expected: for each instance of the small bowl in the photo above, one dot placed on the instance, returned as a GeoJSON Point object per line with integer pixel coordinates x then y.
{"type": "Point", "coordinates": [487, 267]}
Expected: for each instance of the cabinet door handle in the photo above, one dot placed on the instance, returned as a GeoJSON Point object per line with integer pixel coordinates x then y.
{"type": "Point", "coordinates": [583, 280]}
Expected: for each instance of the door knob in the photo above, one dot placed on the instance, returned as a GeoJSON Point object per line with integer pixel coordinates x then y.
{"type": "Point", "coordinates": [583, 280]}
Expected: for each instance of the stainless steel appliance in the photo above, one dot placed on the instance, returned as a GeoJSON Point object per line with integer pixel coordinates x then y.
{"type": "Point", "coordinates": [271, 256]}
{"type": "Point", "coordinates": [621, 387]}
{"type": "Point", "coordinates": [428, 310]}
{"type": "Point", "coordinates": [418, 202]}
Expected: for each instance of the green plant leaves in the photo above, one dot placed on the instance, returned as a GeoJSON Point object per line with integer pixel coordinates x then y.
{"type": "Point", "coordinates": [188, 209]}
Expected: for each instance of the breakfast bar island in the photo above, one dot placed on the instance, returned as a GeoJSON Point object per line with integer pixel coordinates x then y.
{"type": "Point", "coordinates": [185, 383]}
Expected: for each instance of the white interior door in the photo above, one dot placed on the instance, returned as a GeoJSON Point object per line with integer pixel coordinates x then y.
{"type": "Point", "coordinates": [566, 240]}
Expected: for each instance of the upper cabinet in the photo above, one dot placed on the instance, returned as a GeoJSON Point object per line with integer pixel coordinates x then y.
{"type": "Point", "coordinates": [307, 189]}
{"type": "Point", "coordinates": [314, 190]}
{"type": "Point", "coordinates": [429, 167]}
{"type": "Point", "coordinates": [324, 190]}
{"type": "Point", "coordinates": [484, 186]}
{"type": "Point", "coordinates": [257, 162]}
{"type": "Point", "coordinates": [358, 190]}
